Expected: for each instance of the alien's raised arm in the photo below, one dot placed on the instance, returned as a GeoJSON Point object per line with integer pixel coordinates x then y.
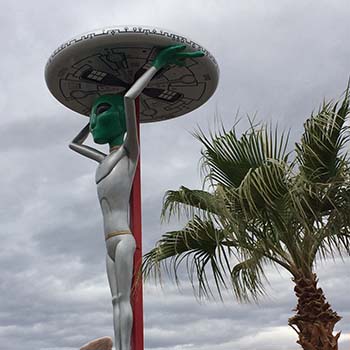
{"type": "Point", "coordinates": [131, 141]}
{"type": "Point", "coordinates": [87, 151]}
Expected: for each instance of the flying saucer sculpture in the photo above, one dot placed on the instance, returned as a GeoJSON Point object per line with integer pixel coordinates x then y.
{"type": "Point", "coordinates": [109, 60]}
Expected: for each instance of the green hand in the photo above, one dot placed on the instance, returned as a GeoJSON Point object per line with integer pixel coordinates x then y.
{"type": "Point", "coordinates": [174, 55]}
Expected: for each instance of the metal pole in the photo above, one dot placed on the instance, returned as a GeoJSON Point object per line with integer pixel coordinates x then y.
{"type": "Point", "coordinates": [136, 227]}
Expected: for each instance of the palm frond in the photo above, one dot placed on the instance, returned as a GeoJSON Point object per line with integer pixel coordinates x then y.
{"type": "Point", "coordinates": [264, 189]}
{"type": "Point", "coordinates": [333, 234]}
{"type": "Point", "coordinates": [189, 202]}
{"type": "Point", "coordinates": [228, 158]}
{"type": "Point", "coordinates": [319, 151]}
{"type": "Point", "coordinates": [197, 246]}
{"type": "Point", "coordinates": [247, 279]}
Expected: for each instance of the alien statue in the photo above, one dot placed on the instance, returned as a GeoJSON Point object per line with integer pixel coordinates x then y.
{"type": "Point", "coordinates": [111, 117]}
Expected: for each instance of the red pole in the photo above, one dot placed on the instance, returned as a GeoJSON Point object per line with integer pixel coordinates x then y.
{"type": "Point", "coordinates": [136, 227]}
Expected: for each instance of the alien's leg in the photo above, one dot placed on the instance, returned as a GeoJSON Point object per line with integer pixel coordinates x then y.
{"type": "Point", "coordinates": [114, 291]}
{"type": "Point", "coordinates": [124, 261]}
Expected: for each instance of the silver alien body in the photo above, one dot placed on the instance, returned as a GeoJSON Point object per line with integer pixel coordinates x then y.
{"type": "Point", "coordinates": [114, 178]}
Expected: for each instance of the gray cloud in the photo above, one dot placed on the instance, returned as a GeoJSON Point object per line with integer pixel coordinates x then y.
{"type": "Point", "coordinates": [277, 58]}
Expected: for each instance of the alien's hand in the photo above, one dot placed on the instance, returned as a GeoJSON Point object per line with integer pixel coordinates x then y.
{"type": "Point", "coordinates": [174, 55]}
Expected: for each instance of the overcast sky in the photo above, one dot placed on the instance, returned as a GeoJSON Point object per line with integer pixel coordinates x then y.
{"type": "Point", "coordinates": [277, 58]}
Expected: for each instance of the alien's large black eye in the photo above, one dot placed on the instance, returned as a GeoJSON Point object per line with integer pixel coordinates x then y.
{"type": "Point", "coordinates": [103, 107]}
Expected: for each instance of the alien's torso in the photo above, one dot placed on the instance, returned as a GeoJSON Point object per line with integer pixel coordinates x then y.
{"type": "Point", "coordinates": [114, 177]}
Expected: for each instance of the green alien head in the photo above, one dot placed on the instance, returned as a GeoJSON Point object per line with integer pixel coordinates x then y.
{"type": "Point", "coordinates": [107, 120]}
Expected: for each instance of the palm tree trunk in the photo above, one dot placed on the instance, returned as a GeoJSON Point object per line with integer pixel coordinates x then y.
{"type": "Point", "coordinates": [314, 320]}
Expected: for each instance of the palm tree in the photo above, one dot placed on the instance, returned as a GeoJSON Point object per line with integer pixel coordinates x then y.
{"type": "Point", "coordinates": [262, 208]}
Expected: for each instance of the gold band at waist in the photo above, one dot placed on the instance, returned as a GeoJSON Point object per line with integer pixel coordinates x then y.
{"type": "Point", "coordinates": [117, 233]}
